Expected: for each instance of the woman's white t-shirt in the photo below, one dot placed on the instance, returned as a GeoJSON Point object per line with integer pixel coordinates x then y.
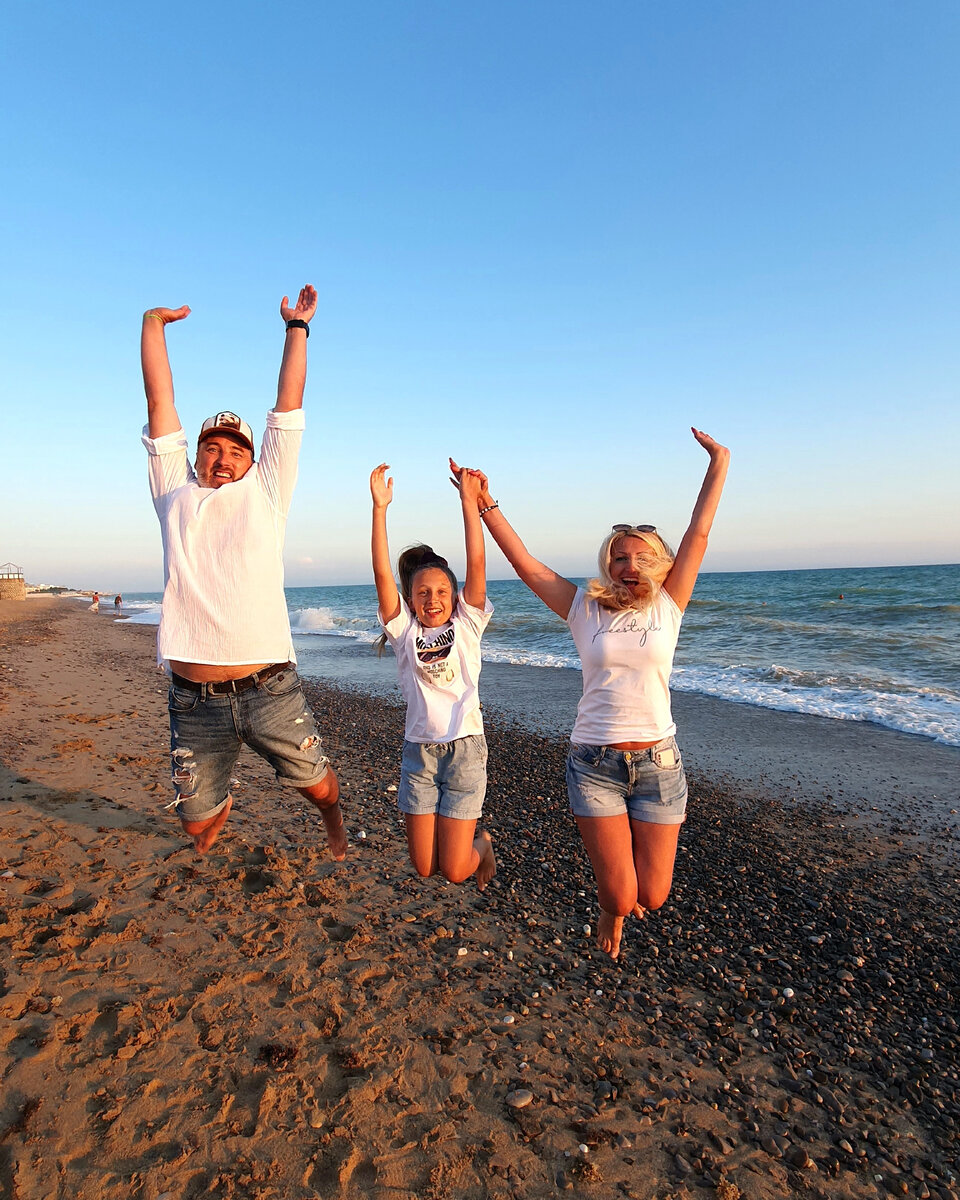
{"type": "Point", "coordinates": [627, 657]}
{"type": "Point", "coordinates": [439, 672]}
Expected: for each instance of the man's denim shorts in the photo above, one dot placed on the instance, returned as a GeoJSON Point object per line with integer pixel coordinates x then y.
{"type": "Point", "coordinates": [447, 778]}
{"type": "Point", "coordinates": [649, 785]}
{"type": "Point", "coordinates": [207, 731]}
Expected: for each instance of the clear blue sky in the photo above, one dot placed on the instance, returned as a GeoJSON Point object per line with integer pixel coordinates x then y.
{"type": "Point", "coordinates": [547, 237]}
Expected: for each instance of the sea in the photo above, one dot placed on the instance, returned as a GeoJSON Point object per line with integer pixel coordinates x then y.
{"type": "Point", "coordinates": [874, 644]}
{"type": "Point", "coordinates": [879, 645]}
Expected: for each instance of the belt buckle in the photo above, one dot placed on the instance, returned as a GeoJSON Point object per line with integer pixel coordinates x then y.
{"type": "Point", "coordinates": [225, 686]}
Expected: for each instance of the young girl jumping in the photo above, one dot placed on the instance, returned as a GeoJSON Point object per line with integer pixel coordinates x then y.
{"type": "Point", "coordinates": [435, 631]}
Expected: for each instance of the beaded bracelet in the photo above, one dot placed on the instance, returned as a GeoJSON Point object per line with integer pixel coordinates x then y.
{"type": "Point", "coordinates": [489, 508]}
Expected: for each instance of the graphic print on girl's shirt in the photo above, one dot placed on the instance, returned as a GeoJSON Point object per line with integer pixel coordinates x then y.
{"type": "Point", "coordinates": [436, 662]}
{"type": "Point", "coordinates": [438, 670]}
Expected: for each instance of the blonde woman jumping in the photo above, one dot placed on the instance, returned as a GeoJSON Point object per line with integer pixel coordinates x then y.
{"type": "Point", "coordinates": [625, 777]}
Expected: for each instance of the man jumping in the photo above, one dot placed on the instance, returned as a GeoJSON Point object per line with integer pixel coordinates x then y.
{"type": "Point", "coordinates": [224, 633]}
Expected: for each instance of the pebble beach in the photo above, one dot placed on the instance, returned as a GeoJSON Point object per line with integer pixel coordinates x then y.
{"type": "Point", "coordinates": [264, 1022]}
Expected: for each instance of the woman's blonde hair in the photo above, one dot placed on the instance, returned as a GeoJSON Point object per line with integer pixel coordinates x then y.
{"type": "Point", "coordinates": [610, 594]}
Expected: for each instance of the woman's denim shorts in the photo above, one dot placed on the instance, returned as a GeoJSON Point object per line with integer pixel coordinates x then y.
{"type": "Point", "coordinates": [447, 778]}
{"type": "Point", "coordinates": [648, 784]}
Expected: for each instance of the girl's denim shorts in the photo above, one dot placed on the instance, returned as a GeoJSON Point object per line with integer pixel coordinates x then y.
{"type": "Point", "coordinates": [648, 785]}
{"type": "Point", "coordinates": [447, 778]}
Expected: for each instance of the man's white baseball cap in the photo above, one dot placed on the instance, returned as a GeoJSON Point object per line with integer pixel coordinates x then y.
{"type": "Point", "coordinates": [228, 424]}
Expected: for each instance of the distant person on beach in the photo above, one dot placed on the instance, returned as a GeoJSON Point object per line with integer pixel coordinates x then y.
{"type": "Point", "coordinates": [95, 606]}
{"type": "Point", "coordinates": [224, 632]}
{"type": "Point", "coordinates": [118, 602]}
{"type": "Point", "coordinates": [435, 630]}
{"type": "Point", "coordinates": [625, 778]}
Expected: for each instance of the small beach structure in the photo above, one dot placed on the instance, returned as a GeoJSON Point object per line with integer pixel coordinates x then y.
{"type": "Point", "coordinates": [12, 586]}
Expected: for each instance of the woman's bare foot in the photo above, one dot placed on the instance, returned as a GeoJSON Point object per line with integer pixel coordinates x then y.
{"type": "Point", "coordinates": [609, 932]}
{"type": "Point", "coordinates": [205, 833]}
{"type": "Point", "coordinates": [336, 832]}
{"type": "Point", "coordinates": [639, 911]}
{"type": "Point", "coordinates": [483, 844]}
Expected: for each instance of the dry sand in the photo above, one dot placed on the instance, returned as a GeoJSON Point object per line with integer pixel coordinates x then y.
{"type": "Point", "coordinates": [264, 1022]}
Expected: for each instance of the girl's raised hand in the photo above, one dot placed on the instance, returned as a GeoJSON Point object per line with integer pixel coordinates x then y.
{"type": "Point", "coordinates": [381, 488]}
{"type": "Point", "coordinates": [712, 447]}
{"type": "Point", "coordinates": [470, 487]}
{"type": "Point", "coordinates": [461, 474]}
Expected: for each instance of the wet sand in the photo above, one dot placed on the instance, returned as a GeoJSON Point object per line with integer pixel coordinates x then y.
{"type": "Point", "coordinates": [264, 1022]}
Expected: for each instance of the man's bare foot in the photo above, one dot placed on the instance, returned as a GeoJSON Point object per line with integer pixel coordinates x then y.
{"type": "Point", "coordinates": [483, 844]}
{"type": "Point", "coordinates": [336, 832]}
{"type": "Point", "coordinates": [609, 931]}
{"type": "Point", "coordinates": [205, 833]}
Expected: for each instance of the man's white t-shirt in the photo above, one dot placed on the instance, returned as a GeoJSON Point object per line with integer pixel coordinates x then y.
{"type": "Point", "coordinates": [223, 600]}
{"type": "Point", "coordinates": [627, 657]}
{"type": "Point", "coordinates": [439, 672]}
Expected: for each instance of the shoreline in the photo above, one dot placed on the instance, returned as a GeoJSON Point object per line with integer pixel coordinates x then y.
{"type": "Point", "coordinates": [854, 766]}
{"type": "Point", "coordinates": [263, 1021]}
{"type": "Point", "coordinates": [872, 659]}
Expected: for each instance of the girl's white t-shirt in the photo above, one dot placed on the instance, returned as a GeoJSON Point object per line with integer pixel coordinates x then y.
{"type": "Point", "coordinates": [439, 672]}
{"type": "Point", "coordinates": [627, 657]}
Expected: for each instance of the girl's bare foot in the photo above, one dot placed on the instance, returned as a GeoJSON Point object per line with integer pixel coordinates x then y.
{"type": "Point", "coordinates": [205, 833]}
{"type": "Point", "coordinates": [483, 844]}
{"type": "Point", "coordinates": [609, 931]}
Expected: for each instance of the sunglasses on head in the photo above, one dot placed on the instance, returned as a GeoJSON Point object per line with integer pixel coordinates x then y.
{"type": "Point", "coordinates": [637, 528]}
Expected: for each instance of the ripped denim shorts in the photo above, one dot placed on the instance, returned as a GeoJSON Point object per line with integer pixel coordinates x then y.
{"type": "Point", "coordinates": [207, 731]}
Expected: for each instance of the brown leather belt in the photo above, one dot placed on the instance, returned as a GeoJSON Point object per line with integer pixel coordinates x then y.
{"type": "Point", "coordinates": [225, 687]}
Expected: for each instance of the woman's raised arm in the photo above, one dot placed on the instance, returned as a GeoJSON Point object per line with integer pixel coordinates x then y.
{"type": "Point", "coordinates": [556, 592]}
{"type": "Point", "coordinates": [680, 582]}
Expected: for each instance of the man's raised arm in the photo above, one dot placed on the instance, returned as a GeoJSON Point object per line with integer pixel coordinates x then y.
{"type": "Point", "coordinates": [157, 377]}
{"type": "Point", "coordinates": [293, 366]}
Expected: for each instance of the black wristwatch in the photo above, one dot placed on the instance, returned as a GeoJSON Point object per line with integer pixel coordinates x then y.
{"type": "Point", "coordinates": [297, 324]}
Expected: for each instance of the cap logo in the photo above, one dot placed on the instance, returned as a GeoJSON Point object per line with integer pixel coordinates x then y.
{"type": "Point", "coordinates": [229, 424]}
